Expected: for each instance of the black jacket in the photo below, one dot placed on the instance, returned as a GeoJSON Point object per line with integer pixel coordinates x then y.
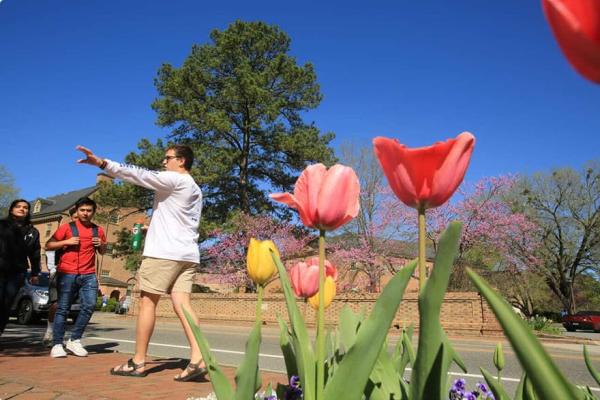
{"type": "Point", "coordinates": [19, 247]}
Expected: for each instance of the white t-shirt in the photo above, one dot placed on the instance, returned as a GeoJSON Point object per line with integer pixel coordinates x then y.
{"type": "Point", "coordinates": [173, 231]}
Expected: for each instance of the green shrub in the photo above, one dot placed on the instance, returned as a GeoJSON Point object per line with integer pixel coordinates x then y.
{"type": "Point", "coordinates": [542, 324]}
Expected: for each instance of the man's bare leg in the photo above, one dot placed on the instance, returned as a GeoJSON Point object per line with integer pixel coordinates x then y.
{"type": "Point", "coordinates": [144, 328]}
{"type": "Point", "coordinates": [181, 301]}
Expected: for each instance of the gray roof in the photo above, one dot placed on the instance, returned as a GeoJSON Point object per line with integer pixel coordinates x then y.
{"type": "Point", "coordinates": [60, 203]}
{"type": "Point", "coordinates": [107, 280]}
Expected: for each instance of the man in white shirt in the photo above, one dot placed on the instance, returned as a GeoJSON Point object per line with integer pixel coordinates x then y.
{"type": "Point", "coordinates": [171, 252]}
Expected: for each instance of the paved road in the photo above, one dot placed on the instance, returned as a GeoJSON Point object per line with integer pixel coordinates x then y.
{"type": "Point", "coordinates": [228, 342]}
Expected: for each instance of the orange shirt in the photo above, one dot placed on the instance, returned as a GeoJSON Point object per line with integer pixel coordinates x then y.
{"type": "Point", "coordinates": [78, 259]}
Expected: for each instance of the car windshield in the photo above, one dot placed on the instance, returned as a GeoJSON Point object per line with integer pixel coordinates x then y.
{"type": "Point", "coordinates": [44, 279]}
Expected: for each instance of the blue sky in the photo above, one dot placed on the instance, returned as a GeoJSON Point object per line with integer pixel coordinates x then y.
{"type": "Point", "coordinates": [81, 72]}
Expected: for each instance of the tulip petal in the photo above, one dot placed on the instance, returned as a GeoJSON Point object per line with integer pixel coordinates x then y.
{"type": "Point", "coordinates": [305, 279]}
{"type": "Point", "coordinates": [291, 201]}
{"type": "Point", "coordinates": [306, 190]}
{"type": "Point", "coordinates": [576, 27]}
{"type": "Point", "coordinates": [391, 155]}
{"type": "Point", "coordinates": [425, 177]}
{"type": "Point", "coordinates": [452, 171]}
{"type": "Point", "coordinates": [338, 200]}
{"type": "Point", "coordinates": [330, 291]}
{"type": "Point", "coordinates": [330, 269]}
{"type": "Point", "coordinates": [259, 260]}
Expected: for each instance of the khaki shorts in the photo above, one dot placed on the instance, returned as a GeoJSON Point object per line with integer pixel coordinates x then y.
{"type": "Point", "coordinates": [161, 276]}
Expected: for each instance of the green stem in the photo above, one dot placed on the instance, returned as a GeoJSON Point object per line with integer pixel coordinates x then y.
{"type": "Point", "coordinates": [422, 268]}
{"type": "Point", "coordinates": [259, 304]}
{"type": "Point", "coordinates": [321, 320]}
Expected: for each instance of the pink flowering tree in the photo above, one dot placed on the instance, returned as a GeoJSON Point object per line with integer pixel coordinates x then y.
{"type": "Point", "coordinates": [364, 250]}
{"type": "Point", "coordinates": [494, 236]}
{"type": "Point", "coordinates": [227, 246]}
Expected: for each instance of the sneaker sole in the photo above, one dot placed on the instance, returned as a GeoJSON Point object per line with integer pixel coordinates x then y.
{"type": "Point", "coordinates": [75, 354]}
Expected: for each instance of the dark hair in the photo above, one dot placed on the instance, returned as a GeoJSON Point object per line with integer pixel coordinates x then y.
{"type": "Point", "coordinates": [85, 201]}
{"type": "Point", "coordinates": [27, 219]}
{"type": "Point", "coordinates": [184, 152]}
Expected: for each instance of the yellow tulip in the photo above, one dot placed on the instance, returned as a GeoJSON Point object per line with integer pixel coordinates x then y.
{"type": "Point", "coordinates": [329, 294]}
{"type": "Point", "coordinates": [259, 261]}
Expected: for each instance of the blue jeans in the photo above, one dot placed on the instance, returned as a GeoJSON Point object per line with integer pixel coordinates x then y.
{"type": "Point", "coordinates": [69, 286]}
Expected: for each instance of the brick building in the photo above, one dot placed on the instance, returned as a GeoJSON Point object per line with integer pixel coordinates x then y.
{"type": "Point", "coordinates": [49, 213]}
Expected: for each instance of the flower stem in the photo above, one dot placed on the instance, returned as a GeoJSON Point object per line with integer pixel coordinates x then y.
{"type": "Point", "coordinates": [422, 269]}
{"type": "Point", "coordinates": [259, 304]}
{"type": "Point", "coordinates": [321, 320]}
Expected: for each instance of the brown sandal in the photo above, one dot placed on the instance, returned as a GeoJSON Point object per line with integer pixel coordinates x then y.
{"type": "Point", "coordinates": [134, 371]}
{"type": "Point", "coordinates": [194, 370]}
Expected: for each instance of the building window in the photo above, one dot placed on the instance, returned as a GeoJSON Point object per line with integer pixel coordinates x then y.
{"type": "Point", "coordinates": [48, 229]}
{"type": "Point", "coordinates": [105, 274]}
{"type": "Point", "coordinates": [37, 207]}
{"type": "Point", "coordinates": [114, 218]}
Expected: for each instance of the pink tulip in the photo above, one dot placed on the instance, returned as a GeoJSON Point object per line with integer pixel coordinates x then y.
{"type": "Point", "coordinates": [325, 199]}
{"type": "Point", "coordinates": [425, 177]}
{"type": "Point", "coordinates": [576, 26]}
{"type": "Point", "coordinates": [305, 276]}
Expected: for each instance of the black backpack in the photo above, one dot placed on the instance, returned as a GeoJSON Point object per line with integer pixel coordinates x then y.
{"type": "Point", "coordinates": [74, 232]}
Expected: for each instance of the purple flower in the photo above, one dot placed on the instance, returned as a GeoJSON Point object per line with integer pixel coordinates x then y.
{"type": "Point", "coordinates": [482, 388]}
{"type": "Point", "coordinates": [459, 385]}
{"type": "Point", "coordinates": [470, 396]}
{"type": "Point", "coordinates": [295, 382]}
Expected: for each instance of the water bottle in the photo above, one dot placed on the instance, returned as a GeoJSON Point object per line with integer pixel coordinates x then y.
{"type": "Point", "coordinates": [136, 239]}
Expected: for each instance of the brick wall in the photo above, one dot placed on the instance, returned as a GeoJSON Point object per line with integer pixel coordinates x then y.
{"type": "Point", "coordinates": [464, 313]}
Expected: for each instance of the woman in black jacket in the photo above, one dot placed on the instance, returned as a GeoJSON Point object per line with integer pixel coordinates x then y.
{"type": "Point", "coordinates": [19, 249]}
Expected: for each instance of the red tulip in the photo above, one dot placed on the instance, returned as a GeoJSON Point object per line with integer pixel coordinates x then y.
{"type": "Point", "coordinates": [425, 177]}
{"type": "Point", "coordinates": [305, 276]}
{"type": "Point", "coordinates": [325, 199]}
{"type": "Point", "coordinates": [576, 26]}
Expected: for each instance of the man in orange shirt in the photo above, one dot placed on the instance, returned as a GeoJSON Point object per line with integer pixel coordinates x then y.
{"type": "Point", "coordinates": [79, 240]}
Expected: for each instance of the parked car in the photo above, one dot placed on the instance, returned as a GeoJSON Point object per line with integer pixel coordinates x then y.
{"type": "Point", "coordinates": [589, 320]}
{"type": "Point", "coordinates": [32, 304]}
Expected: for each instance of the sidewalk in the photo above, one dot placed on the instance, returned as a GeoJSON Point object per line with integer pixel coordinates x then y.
{"type": "Point", "coordinates": [28, 373]}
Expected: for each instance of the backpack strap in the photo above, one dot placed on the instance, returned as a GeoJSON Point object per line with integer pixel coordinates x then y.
{"type": "Point", "coordinates": [73, 227]}
{"type": "Point", "coordinates": [75, 231]}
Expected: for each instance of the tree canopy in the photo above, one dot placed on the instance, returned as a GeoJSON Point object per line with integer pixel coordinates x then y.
{"type": "Point", "coordinates": [565, 205]}
{"type": "Point", "coordinates": [8, 190]}
{"type": "Point", "coordinates": [239, 101]}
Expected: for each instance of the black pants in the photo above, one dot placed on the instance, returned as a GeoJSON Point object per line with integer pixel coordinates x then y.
{"type": "Point", "coordinates": [10, 283]}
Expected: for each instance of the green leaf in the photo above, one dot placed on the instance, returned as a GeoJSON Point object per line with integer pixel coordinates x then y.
{"type": "Point", "coordinates": [520, 391]}
{"type": "Point", "coordinates": [219, 382]}
{"type": "Point", "coordinates": [590, 367]}
{"type": "Point", "coordinates": [348, 325]}
{"type": "Point", "coordinates": [286, 349]}
{"type": "Point", "coordinates": [529, 392]}
{"type": "Point", "coordinates": [386, 382]}
{"type": "Point", "coordinates": [305, 358]}
{"type": "Point", "coordinates": [408, 352]}
{"type": "Point", "coordinates": [430, 371]}
{"type": "Point", "coordinates": [545, 376]}
{"type": "Point", "coordinates": [247, 377]}
{"type": "Point", "coordinates": [353, 372]}
{"type": "Point", "coordinates": [495, 386]}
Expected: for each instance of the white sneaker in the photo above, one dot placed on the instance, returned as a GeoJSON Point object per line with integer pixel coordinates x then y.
{"type": "Point", "coordinates": [47, 340]}
{"type": "Point", "coordinates": [58, 351]}
{"type": "Point", "coordinates": [75, 347]}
